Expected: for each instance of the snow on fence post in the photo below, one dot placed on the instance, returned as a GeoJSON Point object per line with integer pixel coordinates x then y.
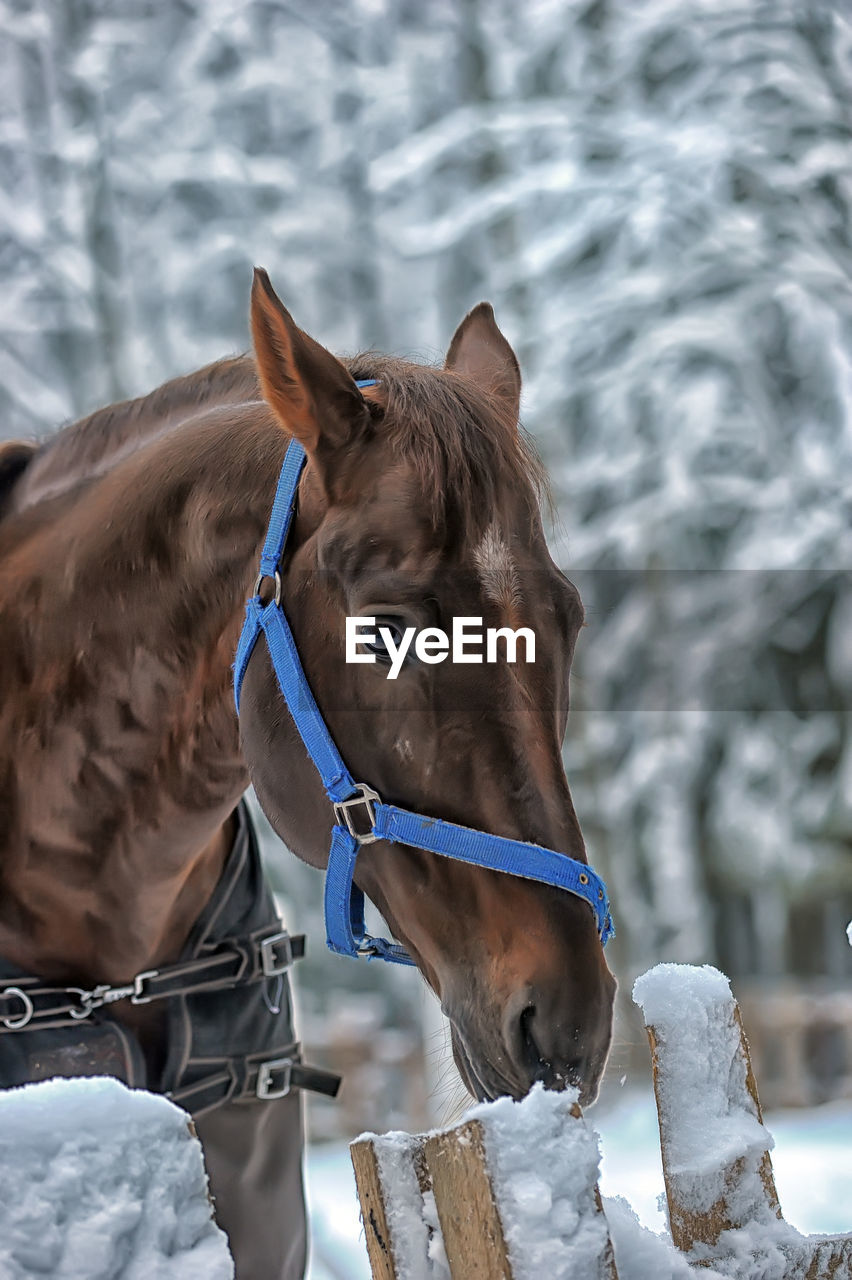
{"type": "Point", "coordinates": [716, 1162]}
{"type": "Point", "coordinates": [723, 1206]}
{"type": "Point", "coordinates": [393, 1187]}
{"type": "Point", "coordinates": [497, 1181]}
{"type": "Point", "coordinates": [510, 1193]}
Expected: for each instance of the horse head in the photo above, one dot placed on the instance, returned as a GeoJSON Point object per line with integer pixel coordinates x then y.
{"type": "Point", "coordinates": [419, 505]}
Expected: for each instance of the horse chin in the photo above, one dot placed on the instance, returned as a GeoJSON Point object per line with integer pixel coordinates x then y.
{"type": "Point", "coordinates": [471, 1081]}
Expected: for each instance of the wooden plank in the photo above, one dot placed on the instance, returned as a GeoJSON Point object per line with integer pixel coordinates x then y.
{"type": "Point", "coordinates": [371, 1195]}
{"type": "Point", "coordinates": [469, 1217]}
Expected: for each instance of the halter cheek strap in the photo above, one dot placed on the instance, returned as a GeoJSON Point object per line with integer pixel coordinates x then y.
{"type": "Point", "coordinates": [361, 816]}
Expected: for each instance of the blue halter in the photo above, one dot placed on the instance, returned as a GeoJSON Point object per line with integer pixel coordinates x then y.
{"type": "Point", "coordinates": [360, 815]}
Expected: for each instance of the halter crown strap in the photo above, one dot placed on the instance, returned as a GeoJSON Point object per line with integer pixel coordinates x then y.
{"type": "Point", "coordinates": [283, 506]}
{"type": "Point", "coordinates": [361, 816]}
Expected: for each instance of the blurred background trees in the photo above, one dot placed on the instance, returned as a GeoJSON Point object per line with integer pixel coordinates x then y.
{"type": "Point", "coordinates": [656, 198]}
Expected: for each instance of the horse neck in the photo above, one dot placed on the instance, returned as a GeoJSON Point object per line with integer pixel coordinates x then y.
{"type": "Point", "coordinates": [122, 605]}
{"type": "Point", "coordinates": [94, 445]}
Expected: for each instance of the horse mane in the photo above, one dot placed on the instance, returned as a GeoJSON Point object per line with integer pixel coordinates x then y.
{"type": "Point", "coordinates": [82, 448]}
{"type": "Point", "coordinates": [466, 448]}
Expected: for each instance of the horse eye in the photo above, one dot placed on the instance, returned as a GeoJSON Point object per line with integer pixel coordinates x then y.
{"type": "Point", "coordinates": [396, 628]}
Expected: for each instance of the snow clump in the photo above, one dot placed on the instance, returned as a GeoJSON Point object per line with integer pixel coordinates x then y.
{"type": "Point", "coordinates": [101, 1182]}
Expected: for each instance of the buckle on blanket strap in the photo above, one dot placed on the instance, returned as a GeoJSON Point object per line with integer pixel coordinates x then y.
{"type": "Point", "coordinates": [249, 1079]}
{"type": "Point", "coordinates": [280, 1069]}
{"type": "Point", "coordinates": [275, 953]}
{"type": "Point", "coordinates": [276, 1077]}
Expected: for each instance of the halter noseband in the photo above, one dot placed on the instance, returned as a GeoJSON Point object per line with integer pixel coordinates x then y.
{"type": "Point", "coordinates": [361, 816]}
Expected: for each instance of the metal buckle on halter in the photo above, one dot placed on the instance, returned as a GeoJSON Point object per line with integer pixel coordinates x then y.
{"type": "Point", "coordinates": [270, 962]}
{"type": "Point", "coordinates": [367, 797]}
{"type": "Point", "coordinates": [20, 1020]}
{"type": "Point", "coordinates": [366, 949]}
{"type": "Point", "coordinates": [266, 1073]}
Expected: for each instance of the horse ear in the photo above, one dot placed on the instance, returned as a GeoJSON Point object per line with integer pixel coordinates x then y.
{"type": "Point", "coordinates": [480, 351]}
{"type": "Point", "coordinates": [310, 391]}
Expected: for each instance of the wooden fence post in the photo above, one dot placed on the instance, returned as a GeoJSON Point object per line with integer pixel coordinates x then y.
{"type": "Point", "coordinates": [708, 1197]}
{"type": "Point", "coordinates": [475, 1216]}
{"type": "Point", "coordinates": [742, 1199]}
{"type": "Point", "coordinates": [490, 1200]}
{"type": "Point", "coordinates": [473, 1220]}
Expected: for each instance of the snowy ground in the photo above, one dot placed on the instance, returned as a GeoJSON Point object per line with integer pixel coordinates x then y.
{"type": "Point", "coordinates": [813, 1172]}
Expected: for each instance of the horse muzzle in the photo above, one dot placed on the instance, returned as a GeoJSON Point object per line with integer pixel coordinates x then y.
{"type": "Point", "coordinates": [536, 1038]}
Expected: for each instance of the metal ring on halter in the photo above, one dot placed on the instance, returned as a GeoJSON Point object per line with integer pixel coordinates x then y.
{"type": "Point", "coordinates": [260, 578]}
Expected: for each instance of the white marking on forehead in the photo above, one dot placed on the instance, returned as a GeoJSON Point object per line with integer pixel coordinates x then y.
{"type": "Point", "coordinates": [496, 568]}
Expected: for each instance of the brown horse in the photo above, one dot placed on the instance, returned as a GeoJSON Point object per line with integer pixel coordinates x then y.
{"type": "Point", "coordinates": [128, 544]}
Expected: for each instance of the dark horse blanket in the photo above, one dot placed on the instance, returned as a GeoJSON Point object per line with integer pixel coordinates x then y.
{"type": "Point", "coordinates": [223, 1058]}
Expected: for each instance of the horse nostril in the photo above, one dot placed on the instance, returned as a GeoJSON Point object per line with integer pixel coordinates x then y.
{"type": "Point", "coordinates": [553, 1075]}
{"type": "Point", "coordinates": [529, 1048]}
{"type": "Point", "coordinates": [534, 1060]}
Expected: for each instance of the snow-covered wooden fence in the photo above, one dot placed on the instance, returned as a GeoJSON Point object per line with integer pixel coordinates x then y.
{"type": "Point", "coordinates": [511, 1192]}
{"type": "Point", "coordinates": [470, 1200]}
{"type": "Point", "coordinates": [101, 1182]}
{"type": "Point", "coordinates": [724, 1210]}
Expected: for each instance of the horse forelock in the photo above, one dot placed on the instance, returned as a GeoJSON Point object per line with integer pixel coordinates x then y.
{"type": "Point", "coordinates": [467, 452]}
